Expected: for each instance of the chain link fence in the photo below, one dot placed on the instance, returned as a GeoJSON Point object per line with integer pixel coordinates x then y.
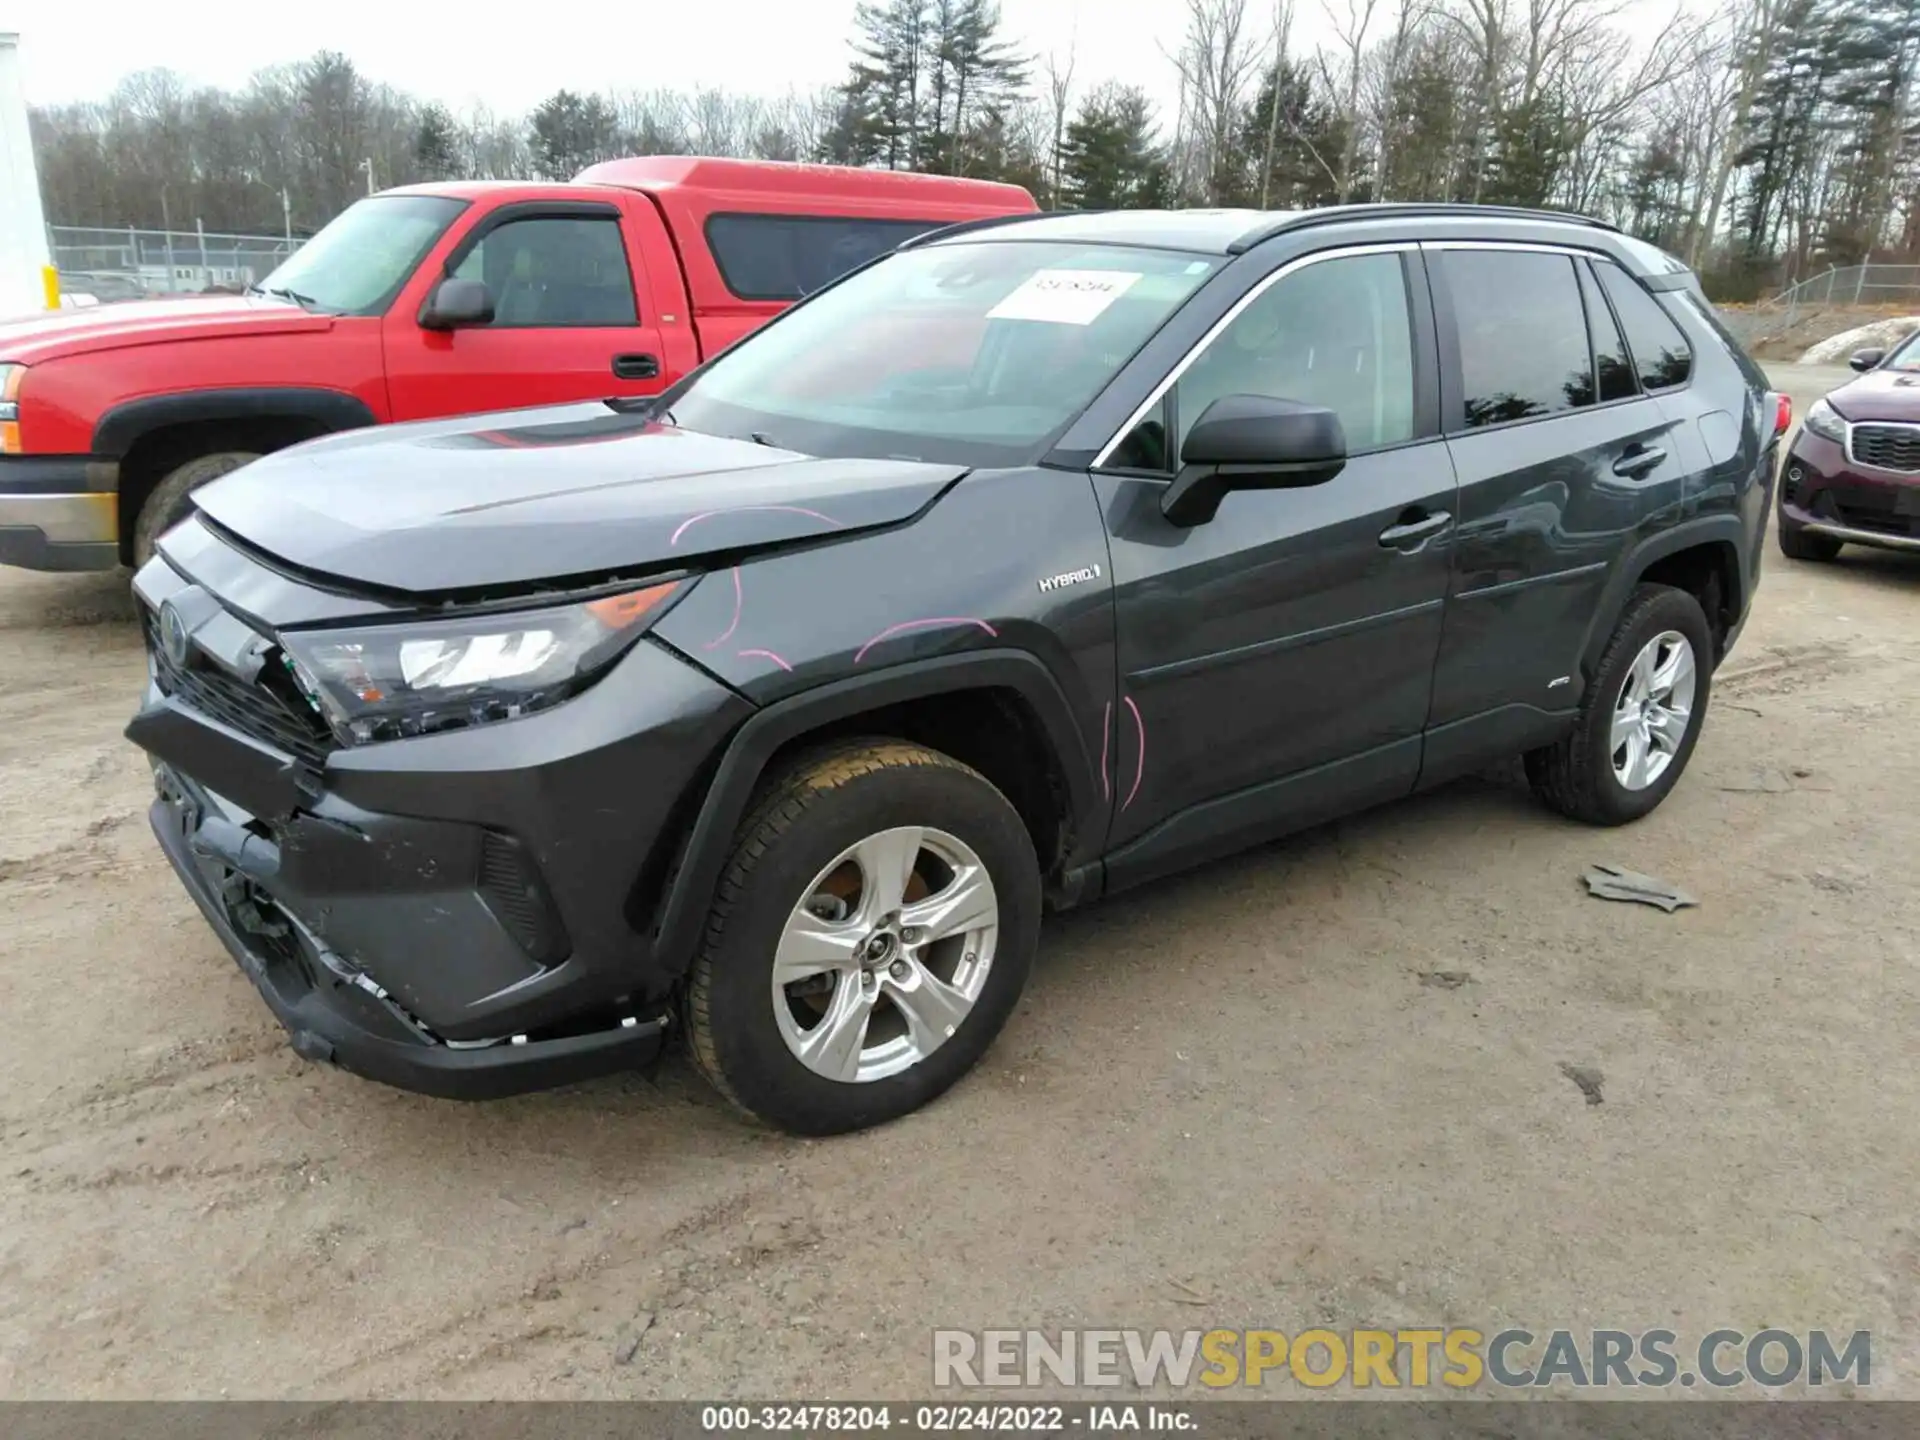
{"type": "Point", "coordinates": [1853, 285]}
{"type": "Point", "coordinates": [135, 264]}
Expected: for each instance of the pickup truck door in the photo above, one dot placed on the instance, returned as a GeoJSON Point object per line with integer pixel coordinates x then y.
{"type": "Point", "coordinates": [574, 316]}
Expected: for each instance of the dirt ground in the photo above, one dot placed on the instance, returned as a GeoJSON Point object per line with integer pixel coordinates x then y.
{"type": "Point", "coordinates": [1259, 1095]}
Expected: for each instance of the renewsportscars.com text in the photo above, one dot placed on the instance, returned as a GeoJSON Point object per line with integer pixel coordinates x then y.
{"type": "Point", "coordinates": [1454, 1357]}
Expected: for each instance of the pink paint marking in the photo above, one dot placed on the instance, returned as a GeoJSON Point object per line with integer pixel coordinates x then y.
{"type": "Point", "coordinates": [929, 624]}
{"type": "Point", "coordinates": [1140, 769]}
{"type": "Point", "coordinates": [727, 634]}
{"type": "Point", "coordinates": [1106, 730]}
{"type": "Point", "coordinates": [693, 520]}
{"type": "Point", "coordinates": [766, 655]}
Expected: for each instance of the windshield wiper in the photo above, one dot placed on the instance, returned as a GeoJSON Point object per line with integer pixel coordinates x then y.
{"type": "Point", "coordinates": [280, 292]}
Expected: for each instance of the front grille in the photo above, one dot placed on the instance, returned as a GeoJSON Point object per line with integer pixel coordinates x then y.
{"type": "Point", "coordinates": [1888, 447]}
{"type": "Point", "coordinates": [519, 899]}
{"type": "Point", "coordinates": [283, 720]}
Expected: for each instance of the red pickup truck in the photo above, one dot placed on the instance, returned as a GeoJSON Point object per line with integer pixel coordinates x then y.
{"type": "Point", "coordinates": [419, 302]}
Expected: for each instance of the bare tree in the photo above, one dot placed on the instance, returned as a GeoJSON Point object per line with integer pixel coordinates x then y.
{"type": "Point", "coordinates": [1216, 60]}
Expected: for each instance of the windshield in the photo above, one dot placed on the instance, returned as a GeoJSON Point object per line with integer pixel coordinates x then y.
{"type": "Point", "coordinates": [359, 261]}
{"type": "Point", "coordinates": [1906, 356]}
{"type": "Point", "coordinates": [969, 353]}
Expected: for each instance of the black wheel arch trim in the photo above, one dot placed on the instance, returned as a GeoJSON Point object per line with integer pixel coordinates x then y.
{"type": "Point", "coordinates": [124, 425]}
{"type": "Point", "coordinates": [1723, 529]}
{"type": "Point", "coordinates": [743, 762]}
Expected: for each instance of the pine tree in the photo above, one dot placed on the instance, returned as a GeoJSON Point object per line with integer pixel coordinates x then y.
{"type": "Point", "coordinates": [1109, 160]}
{"type": "Point", "coordinates": [1307, 141]}
{"type": "Point", "coordinates": [434, 144]}
{"type": "Point", "coordinates": [571, 132]}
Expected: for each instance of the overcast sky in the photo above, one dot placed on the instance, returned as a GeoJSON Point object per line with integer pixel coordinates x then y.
{"type": "Point", "coordinates": [511, 55]}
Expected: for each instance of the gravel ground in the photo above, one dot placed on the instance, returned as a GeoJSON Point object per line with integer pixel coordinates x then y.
{"type": "Point", "coordinates": [1320, 1083]}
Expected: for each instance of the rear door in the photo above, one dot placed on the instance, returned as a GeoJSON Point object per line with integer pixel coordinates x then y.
{"type": "Point", "coordinates": [1564, 461]}
{"type": "Point", "coordinates": [568, 319]}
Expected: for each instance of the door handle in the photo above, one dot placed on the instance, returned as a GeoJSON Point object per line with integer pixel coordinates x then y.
{"type": "Point", "coordinates": [1639, 460]}
{"type": "Point", "coordinates": [1410, 533]}
{"type": "Point", "coordinates": [636, 367]}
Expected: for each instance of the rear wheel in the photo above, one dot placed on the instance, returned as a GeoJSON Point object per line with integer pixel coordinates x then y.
{"type": "Point", "coordinates": [1641, 715]}
{"type": "Point", "coordinates": [871, 934]}
{"type": "Point", "coordinates": [169, 503]}
{"type": "Point", "coordinates": [1799, 543]}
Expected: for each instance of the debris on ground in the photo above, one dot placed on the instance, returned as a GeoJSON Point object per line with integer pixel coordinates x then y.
{"type": "Point", "coordinates": [1765, 780]}
{"type": "Point", "coordinates": [627, 1345]}
{"type": "Point", "coordinates": [1610, 882]}
{"type": "Point", "coordinates": [1444, 979]}
{"type": "Point", "coordinates": [1587, 1079]}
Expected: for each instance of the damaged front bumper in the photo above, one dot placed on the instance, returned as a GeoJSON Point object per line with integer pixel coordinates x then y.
{"type": "Point", "coordinates": [335, 1013]}
{"type": "Point", "coordinates": [469, 913]}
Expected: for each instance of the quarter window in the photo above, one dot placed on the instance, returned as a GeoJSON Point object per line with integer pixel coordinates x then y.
{"type": "Point", "coordinates": [1609, 350]}
{"type": "Point", "coordinates": [1660, 352]}
{"type": "Point", "coordinates": [1336, 333]}
{"type": "Point", "coordinates": [554, 271]}
{"type": "Point", "coordinates": [1523, 334]}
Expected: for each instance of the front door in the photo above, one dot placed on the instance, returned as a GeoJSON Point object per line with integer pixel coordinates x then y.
{"type": "Point", "coordinates": [1277, 661]}
{"type": "Point", "coordinates": [566, 322]}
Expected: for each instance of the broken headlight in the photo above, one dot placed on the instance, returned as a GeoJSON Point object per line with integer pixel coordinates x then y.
{"type": "Point", "coordinates": [389, 682]}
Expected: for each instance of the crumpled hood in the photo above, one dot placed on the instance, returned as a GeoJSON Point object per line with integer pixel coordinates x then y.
{"type": "Point", "coordinates": [564, 492]}
{"type": "Point", "coordinates": [61, 333]}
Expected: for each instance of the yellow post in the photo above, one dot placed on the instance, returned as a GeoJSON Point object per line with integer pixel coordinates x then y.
{"type": "Point", "coordinates": [50, 282]}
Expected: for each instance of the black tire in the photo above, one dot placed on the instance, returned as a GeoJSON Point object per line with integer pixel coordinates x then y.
{"type": "Point", "coordinates": [802, 819]}
{"type": "Point", "coordinates": [1799, 543]}
{"type": "Point", "coordinates": [168, 505]}
{"type": "Point", "coordinates": [1576, 776]}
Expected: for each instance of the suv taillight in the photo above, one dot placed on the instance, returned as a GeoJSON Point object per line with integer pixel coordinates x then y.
{"type": "Point", "coordinates": [1782, 414]}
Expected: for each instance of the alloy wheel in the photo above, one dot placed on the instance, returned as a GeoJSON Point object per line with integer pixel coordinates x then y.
{"type": "Point", "coordinates": [885, 955]}
{"type": "Point", "coordinates": [1654, 709]}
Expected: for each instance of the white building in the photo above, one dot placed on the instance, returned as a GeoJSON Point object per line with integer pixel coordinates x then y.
{"type": "Point", "coordinates": [23, 227]}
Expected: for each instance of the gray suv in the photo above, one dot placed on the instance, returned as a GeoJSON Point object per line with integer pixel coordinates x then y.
{"type": "Point", "coordinates": [1034, 560]}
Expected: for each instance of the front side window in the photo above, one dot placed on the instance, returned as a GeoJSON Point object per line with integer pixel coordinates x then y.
{"type": "Point", "coordinates": [973, 352]}
{"type": "Point", "coordinates": [1660, 352]}
{"type": "Point", "coordinates": [782, 257]}
{"type": "Point", "coordinates": [361, 258]}
{"type": "Point", "coordinates": [1523, 334]}
{"type": "Point", "coordinates": [554, 271]}
{"type": "Point", "coordinates": [1335, 333]}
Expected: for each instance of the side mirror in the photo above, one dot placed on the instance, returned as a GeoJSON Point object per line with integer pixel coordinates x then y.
{"type": "Point", "coordinates": [1252, 442]}
{"type": "Point", "coordinates": [1864, 360]}
{"type": "Point", "coordinates": [456, 303]}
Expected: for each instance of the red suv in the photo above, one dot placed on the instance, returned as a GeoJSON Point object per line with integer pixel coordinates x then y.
{"type": "Point", "coordinates": [1853, 474]}
{"type": "Point", "coordinates": [426, 301]}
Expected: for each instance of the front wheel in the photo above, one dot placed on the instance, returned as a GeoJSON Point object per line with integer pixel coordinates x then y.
{"type": "Point", "coordinates": [170, 502]}
{"type": "Point", "coordinates": [1798, 543]}
{"type": "Point", "coordinates": [1641, 715]}
{"type": "Point", "coordinates": [871, 934]}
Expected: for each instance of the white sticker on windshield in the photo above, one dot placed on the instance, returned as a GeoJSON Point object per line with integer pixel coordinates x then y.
{"type": "Point", "coordinates": [1065, 297]}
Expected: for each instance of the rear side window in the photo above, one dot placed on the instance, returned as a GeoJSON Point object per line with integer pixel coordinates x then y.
{"type": "Point", "coordinates": [1609, 350]}
{"type": "Point", "coordinates": [783, 257]}
{"type": "Point", "coordinates": [1523, 334]}
{"type": "Point", "coordinates": [1660, 352]}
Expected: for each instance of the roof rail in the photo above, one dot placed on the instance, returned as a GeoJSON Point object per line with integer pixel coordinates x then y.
{"type": "Point", "coordinates": [1395, 209]}
{"type": "Point", "coordinates": [985, 222]}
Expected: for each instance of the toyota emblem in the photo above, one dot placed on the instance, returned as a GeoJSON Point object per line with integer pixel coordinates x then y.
{"type": "Point", "coordinates": [173, 635]}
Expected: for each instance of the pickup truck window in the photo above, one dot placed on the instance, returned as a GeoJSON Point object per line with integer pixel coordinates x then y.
{"type": "Point", "coordinates": [971, 353]}
{"type": "Point", "coordinates": [554, 272]}
{"type": "Point", "coordinates": [361, 258]}
{"type": "Point", "coordinates": [782, 257]}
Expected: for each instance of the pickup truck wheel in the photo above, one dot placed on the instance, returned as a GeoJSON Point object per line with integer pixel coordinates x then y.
{"type": "Point", "coordinates": [871, 933]}
{"type": "Point", "coordinates": [1641, 715]}
{"type": "Point", "coordinates": [167, 506]}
